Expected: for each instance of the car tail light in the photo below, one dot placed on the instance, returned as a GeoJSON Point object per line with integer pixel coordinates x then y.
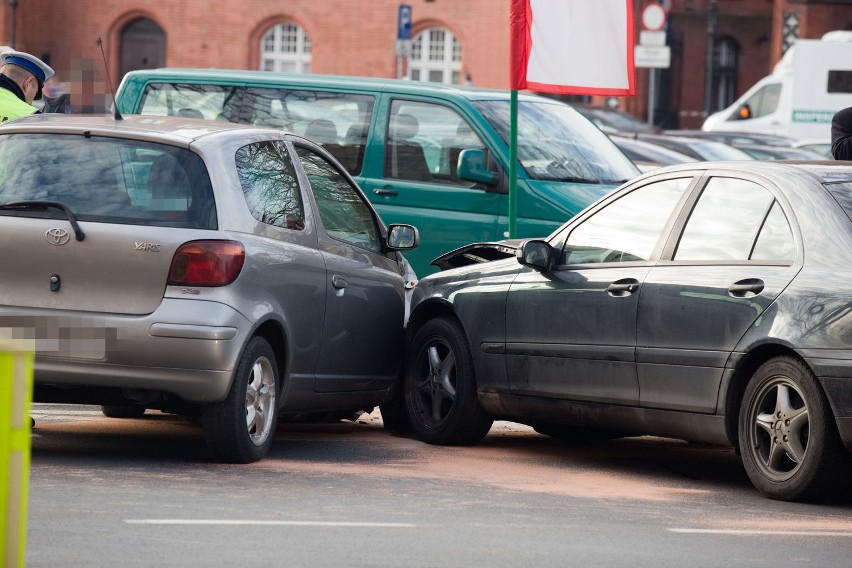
{"type": "Point", "coordinates": [207, 263]}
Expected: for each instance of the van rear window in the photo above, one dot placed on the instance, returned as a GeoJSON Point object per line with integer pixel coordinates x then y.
{"type": "Point", "coordinates": [213, 102]}
{"type": "Point", "coordinates": [107, 180]}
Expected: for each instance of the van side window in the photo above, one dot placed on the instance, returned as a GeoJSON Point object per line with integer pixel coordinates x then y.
{"type": "Point", "coordinates": [213, 102]}
{"type": "Point", "coordinates": [270, 185]}
{"type": "Point", "coordinates": [424, 142]}
{"type": "Point", "coordinates": [336, 121]}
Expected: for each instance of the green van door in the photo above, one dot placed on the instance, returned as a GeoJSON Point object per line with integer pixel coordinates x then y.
{"type": "Point", "coordinates": [410, 172]}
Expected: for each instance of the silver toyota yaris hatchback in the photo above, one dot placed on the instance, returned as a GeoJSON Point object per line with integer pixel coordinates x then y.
{"type": "Point", "coordinates": [197, 267]}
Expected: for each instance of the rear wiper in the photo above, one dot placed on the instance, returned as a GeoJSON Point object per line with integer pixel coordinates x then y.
{"type": "Point", "coordinates": [36, 205]}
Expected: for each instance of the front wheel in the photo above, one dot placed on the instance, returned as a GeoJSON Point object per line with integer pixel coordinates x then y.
{"type": "Point", "coordinates": [240, 428]}
{"type": "Point", "coordinates": [789, 443]}
{"type": "Point", "coordinates": [440, 387]}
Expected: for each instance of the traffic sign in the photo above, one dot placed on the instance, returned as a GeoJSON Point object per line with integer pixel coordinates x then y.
{"type": "Point", "coordinates": [653, 17]}
{"type": "Point", "coordinates": [652, 56]}
{"type": "Point", "coordinates": [404, 22]}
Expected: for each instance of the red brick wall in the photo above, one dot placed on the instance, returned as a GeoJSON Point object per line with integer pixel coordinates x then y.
{"type": "Point", "coordinates": [357, 37]}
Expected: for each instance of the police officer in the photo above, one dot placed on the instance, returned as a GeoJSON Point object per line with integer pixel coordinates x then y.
{"type": "Point", "coordinates": [22, 77]}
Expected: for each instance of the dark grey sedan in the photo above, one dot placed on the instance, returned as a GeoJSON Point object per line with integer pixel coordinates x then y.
{"type": "Point", "coordinates": [204, 268]}
{"type": "Point", "coordinates": [708, 302]}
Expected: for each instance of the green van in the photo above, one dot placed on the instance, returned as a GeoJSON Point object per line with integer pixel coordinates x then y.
{"type": "Point", "coordinates": [431, 155]}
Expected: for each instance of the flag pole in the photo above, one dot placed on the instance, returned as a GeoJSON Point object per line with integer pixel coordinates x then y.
{"type": "Point", "coordinates": [513, 164]}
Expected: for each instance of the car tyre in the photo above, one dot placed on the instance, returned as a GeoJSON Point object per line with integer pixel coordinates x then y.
{"type": "Point", "coordinates": [787, 436]}
{"type": "Point", "coordinates": [240, 428]}
{"type": "Point", "coordinates": [439, 387]}
{"type": "Point", "coordinates": [123, 410]}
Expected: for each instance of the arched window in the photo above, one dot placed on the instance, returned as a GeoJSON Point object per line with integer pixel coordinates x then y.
{"type": "Point", "coordinates": [435, 57]}
{"type": "Point", "coordinates": [285, 48]}
{"type": "Point", "coordinates": [725, 64]}
{"type": "Point", "coordinates": [143, 46]}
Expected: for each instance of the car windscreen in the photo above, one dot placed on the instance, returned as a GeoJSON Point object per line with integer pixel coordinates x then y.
{"type": "Point", "coordinates": [108, 180]}
{"type": "Point", "coordinates": [557, 143]}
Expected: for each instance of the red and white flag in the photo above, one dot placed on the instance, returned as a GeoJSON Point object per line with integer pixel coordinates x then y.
{"type": "Point", "coordinates": [582, 47]}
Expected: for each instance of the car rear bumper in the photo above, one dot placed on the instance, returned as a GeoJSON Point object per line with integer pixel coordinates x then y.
{"type": "Point", "coordinates": [186, 347]}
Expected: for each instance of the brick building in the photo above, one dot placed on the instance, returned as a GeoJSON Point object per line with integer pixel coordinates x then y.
{"type": "Point", "coordinates": [454, 41]}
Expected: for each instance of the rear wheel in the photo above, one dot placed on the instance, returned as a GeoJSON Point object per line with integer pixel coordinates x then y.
{"type": "Point", "coordinates": [440, 387]}
{"type": "Point", "coordinates": [123, 411]}
{"type": "Point", "coordinates": [240, 428]}
{"type": "Point", "coordinates": [788, 440]}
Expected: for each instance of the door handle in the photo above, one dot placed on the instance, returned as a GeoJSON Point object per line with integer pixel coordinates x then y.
{"type": "Point", "coordinates": [746, 288]}
{"type": "Point", "coordinates": [339, 281]}
{"type": "Point", "coordinates": [623, 287]}
{"type": "Point", "coordinates": [391, 192]}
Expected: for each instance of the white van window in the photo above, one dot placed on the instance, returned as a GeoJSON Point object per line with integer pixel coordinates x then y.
{"type": "Point", "coordinates": [761, 103]}
{"type": "Point", "coordinates": [424, 142]}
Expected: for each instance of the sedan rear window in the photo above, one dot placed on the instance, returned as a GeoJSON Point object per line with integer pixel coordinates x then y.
{"type": "Point", "coordinates": [107, 180]}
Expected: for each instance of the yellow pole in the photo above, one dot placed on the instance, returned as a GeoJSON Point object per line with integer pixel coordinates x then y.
{"type": "Point", "coordinates": [16, 391]}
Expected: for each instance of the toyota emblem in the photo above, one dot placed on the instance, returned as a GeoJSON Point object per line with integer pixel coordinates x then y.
{"type": "Point", "coordinates": [57, 237]}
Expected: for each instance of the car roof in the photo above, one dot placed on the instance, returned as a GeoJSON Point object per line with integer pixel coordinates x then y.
{"type": "Point", "coordinates": [172, 129]}
{"type": "Point", "coordinates": [271, 79]}
{"type": "Point", "coordinates": [825, 171]}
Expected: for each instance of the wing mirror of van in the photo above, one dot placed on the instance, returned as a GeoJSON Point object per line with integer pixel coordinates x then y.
{"type": "Point", "coordinates": [535, 254]}
{"type": "Point", "coordinates": [403, 237]}
{"type": "Point", "coordinates": [473, 166]}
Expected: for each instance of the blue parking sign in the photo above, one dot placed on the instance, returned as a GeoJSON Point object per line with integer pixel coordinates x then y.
{"type": "Point", "coordinates": [404, 22]}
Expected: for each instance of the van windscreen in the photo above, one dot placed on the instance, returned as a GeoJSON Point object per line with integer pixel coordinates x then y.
{"type": "Point", "coordinates": [557, 143]}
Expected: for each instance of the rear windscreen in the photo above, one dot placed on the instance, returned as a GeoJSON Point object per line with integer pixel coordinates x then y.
{"type": "Point", "coordinates": [107, 180]}
{"type": "Point", "coordinates": [842, 192]}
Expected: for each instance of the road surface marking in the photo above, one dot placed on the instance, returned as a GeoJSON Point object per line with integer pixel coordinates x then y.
{"type": "Point", "coordinates": [760, 533]}
{"type": "Point", "coordinates": [265, 523]}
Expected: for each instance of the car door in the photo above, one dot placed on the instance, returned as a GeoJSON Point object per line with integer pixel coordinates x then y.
{"type": "Point", "coordinates": [362, 334]}
{"type": "Point", "coordinates": [571, 331]}
{"type": "Point", "coordinates": [735, 253]}
{"type": "Point", "coordinates": [416, 179]}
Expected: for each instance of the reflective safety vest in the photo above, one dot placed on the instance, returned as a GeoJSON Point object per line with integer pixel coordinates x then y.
{"type": "Point", "coordinates": [13, 107]}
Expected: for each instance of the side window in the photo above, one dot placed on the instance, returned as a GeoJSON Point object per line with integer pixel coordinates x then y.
{"type": "Point", "coordinates": [736, 220]}
{"type": "Point", "coordinates": [763, 102]}
{"type": "Point", "coordinates": [627, 229]}
{"type": "Point", "coordinates": [345, 215]}
{"type": "Point", "coordinates": [213, 102]}
{"type": "Point", "coordinates": [336, 121]}
{"type": "Point", "coordinates": [424, 142]}
{"type": "Point", "coordinates": [270, 185]}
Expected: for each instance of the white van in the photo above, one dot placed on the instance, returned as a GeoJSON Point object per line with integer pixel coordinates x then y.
{"type": "Point", "coordinates": [806, 88]}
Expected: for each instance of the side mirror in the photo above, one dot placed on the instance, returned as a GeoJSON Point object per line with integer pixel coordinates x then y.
{"type": "Point", "coordinates": [473, 166]}
{"type": "Point", "coordinates": [744, 113]}
{"type": "Point", "coordinates": [535, 254]}
{"type": "Point", "coordinates": [403, 237]}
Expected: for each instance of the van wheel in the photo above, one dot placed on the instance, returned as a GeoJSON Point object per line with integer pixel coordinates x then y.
{"type": "Point", "coordinates": [240, 428]}
{"type": "Point", "coordinates": [787, 436]}
{"type": "Point", "coordinates": [440, 387]}
{"type": "Point", "coordinates": [123, 411]}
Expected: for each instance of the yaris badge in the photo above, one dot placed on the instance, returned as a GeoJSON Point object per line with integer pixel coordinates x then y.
{"type": "Point", "coordinates": [57, 237]}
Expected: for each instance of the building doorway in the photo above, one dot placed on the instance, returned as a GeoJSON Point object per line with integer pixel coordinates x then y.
{"type": "Point", "coordinates": [143, 46]}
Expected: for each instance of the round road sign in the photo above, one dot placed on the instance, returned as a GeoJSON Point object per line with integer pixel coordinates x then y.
{"type": "Point", "coordinates": [653, 17]}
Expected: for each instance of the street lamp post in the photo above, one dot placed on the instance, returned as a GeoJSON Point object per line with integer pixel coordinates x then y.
{"type": "Point", "coordinates": [711, 37]}
{"type": "Point", "coordinates": [13, 4]}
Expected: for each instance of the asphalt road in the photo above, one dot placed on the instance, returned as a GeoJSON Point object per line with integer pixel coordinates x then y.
{"type": "Point", "coordinates": [111, 492]}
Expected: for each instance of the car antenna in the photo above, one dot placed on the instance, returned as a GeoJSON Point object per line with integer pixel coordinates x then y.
{"type": "Point", "coordinates": [116, 114]}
